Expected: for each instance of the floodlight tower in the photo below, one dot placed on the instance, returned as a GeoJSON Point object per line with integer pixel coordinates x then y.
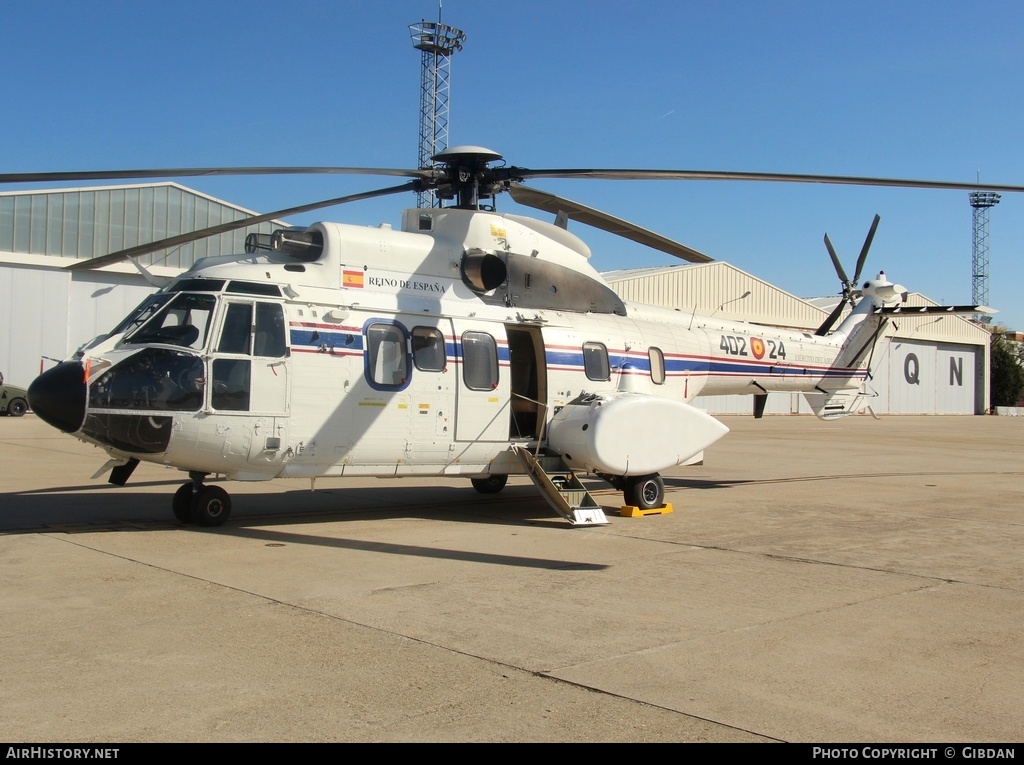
{"type": "Point", "coordinates": [981, 201]}
{"type": "Point", "coordinates": [436, 43]}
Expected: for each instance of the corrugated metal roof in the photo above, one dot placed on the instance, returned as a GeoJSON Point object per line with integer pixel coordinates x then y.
{"type": "Point", "coordinates": [83, 223]}
{"type": "Point", "coordinates": [715, 289]}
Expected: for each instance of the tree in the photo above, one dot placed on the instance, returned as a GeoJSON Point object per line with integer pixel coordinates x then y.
{"type": "Point", "coordinates": [1006, 373]}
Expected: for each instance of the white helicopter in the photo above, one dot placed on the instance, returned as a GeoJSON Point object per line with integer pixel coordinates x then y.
{"type": "Point", "coordinates": [471, 343]}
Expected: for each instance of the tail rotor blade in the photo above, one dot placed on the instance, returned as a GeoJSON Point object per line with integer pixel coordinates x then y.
{"type": "Point", "coordinates": [835, 261]}
{"type": "Point", "coordinates": [827, 325]}
{"type": "Point", "coordinates": [864, 250]}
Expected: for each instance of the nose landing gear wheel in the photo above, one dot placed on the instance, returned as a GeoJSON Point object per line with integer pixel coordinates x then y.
{"type": "Point", "coordinates": [182, 503]}
{"type": "Point", "coordinates": [211, 506]}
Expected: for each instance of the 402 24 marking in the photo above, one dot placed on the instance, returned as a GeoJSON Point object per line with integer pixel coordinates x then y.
{"type": "Point", "coordinates": [737, 345]}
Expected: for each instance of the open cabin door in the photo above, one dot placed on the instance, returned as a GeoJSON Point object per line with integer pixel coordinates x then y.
{"type": "Point", "coordinates": [528, 382]}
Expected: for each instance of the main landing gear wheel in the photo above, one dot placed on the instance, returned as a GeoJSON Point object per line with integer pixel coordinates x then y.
{"type": "Point", "coordinates": [646, 492]}
{"type": "Point", "coordinates": [196, 503]}
{"type": "Point", "coordinates": [211, 506]}
{"type": "Point", "coordinates": [492, 484]}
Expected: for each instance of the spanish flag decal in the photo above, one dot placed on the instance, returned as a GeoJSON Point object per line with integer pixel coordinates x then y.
{"type": "Point", "coordinates": [352, 279]}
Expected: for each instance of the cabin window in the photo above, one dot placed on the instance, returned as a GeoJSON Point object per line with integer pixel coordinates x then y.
{"type": "Point", "coordinates": [595, 361]}
{"type": "Point", "coordinates": [479, 361]}
{"type": "Point", "coordinates": [428, 352]}
{"type": "Point", "coordinates": [657, 365]}
{"type": "Point", "coordinates": [387, 363]}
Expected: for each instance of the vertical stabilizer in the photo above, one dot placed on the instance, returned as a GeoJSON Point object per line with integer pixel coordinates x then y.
{"type": "Point", "coordinates": [861, 332]}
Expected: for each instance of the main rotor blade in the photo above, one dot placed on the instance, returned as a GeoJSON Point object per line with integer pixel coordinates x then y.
{"type": "Point", "coordinates": [541, 200]}
{"type": "Point", "coordinates": [864, 250]}
{"type": "Point", "coordinates": [725, 175]}
{"type": "Point", "coordinates": [186, 172]}
{"type": "Point", "coordinates": [517, 173]}
{"type": "Point", "coordinates": [223, 228]}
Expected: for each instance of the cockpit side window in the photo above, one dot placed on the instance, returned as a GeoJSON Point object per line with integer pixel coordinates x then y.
{"type": "Point", "coordinates": [269, 340]}
{"type": "Point", "coordinates": [265, 337]}
{"type": "Point", "coordinates": [231, 384]}
{"type": "Point", "coordinates": [236, 331]}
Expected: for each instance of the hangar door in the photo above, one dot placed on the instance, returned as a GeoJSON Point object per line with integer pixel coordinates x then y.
{"type": "Point", "coordinates": [916, 377]}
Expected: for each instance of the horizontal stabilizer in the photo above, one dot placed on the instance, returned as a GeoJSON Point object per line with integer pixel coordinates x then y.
{"type": "Point", "coordinates": [940, 309]}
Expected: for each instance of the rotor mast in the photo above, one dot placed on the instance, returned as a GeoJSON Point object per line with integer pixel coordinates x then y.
{"type": "Point", "coordinates": [436, 43]}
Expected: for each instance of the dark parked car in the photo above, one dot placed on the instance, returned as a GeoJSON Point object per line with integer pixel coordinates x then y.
{"type": "Point", "coordinates": [13, 401]}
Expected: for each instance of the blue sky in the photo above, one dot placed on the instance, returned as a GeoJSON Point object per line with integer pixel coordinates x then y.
{"type": "Point", "coordinates": [929, 90]}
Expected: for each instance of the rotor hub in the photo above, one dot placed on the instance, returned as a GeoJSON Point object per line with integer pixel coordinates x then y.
{"type": "Point", "coordinates": [467, 177]}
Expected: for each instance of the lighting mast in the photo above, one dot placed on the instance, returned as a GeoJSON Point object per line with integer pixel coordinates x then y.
{"type": "Point", "coordinates": [436, 43]}
{"type": "Point", "coordinates": [981, 201]}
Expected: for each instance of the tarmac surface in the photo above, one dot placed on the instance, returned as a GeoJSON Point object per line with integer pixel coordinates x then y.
{"type": "Point", "coordinates": [853, 581]}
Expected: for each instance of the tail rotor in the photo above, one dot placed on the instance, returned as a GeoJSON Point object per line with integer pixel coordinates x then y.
{"type": "Point", "coordinates": [849, 292]}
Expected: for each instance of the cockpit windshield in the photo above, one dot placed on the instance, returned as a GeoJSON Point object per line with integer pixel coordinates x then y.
{"type": "Point", "coordinates": [143, 313]}
{"type": "Point", "coordinates": [184, 321]}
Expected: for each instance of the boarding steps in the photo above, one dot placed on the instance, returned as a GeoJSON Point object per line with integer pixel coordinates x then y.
{"type": "Point", "coordinates": [561, 488]}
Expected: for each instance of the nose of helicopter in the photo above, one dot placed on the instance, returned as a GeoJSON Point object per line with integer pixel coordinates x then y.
{"type": "Point", "coordinates": [57, 396]}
